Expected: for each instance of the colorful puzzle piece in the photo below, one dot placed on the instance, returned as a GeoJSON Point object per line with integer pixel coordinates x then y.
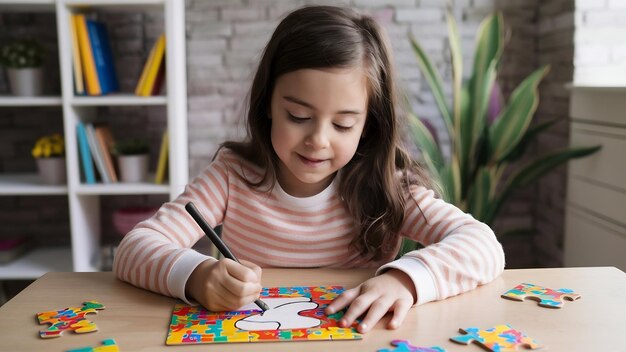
{"type": "Point", "coordinates": [546, 297]}
{"type": "Point", "coordinates": [501, 338]}
{"type": "Point", "coordinates": [72, 318]}
{"type": "Point", "coordinates": [405, 346]}
{"type": "Point", "coordinates": [293, 310]}
{"type": "Point", "coordinates": [108, 345]}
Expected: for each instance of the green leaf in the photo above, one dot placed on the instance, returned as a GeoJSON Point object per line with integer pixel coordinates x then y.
{"type": "Point", "coordinates": [434, 81]}
{"type": "Point", "coordinates": [531, 133]}
{"type": "Point", "coordinates": [535, 170]}
{"type": "Point", "coordinates": [456, 57]}
{"type": "Point", "coordinates": [481, 194]}
{"type": "Point", "coordinates": [451, 182]}
{"type": "Point", "coordinates": [425, 141]}
{"type": "Point", "coordinates": [509, 128]}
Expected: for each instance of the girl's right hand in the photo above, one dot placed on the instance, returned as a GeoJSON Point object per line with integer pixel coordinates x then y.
{"type": "Point", "coordinates": [224, 285]}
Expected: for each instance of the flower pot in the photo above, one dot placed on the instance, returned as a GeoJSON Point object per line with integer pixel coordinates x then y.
{"type": "Point", "coordinates": [52, 170]}
{"type": "Point", "coordinates": [26, 81]}
{"type": "Point", "coordinates": [133, 168]}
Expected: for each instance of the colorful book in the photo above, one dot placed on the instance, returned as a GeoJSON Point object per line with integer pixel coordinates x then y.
{"type": "Point", "coordinates": [96, 153]}
{"type": "Point", "coordinates": [86, 56]}
{"type": "Point", "coordinates": [162, 163]}
{"type": "Point", "coordinates": [144, 72]}
{"type": "Point", "coordinates": [85, 156]}
{"type": "Point", "coordinates": [154, 66]}
{"type": "Point", "coordinates": [104, 138]}
{"type": "Point", "coordinates": [76, 63]}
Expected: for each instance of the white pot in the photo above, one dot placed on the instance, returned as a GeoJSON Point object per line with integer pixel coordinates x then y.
{"type": "Point", "coordinates": [133, 168]}
{"type": "Point", "coordinates": [52, 170]}
{"type": "Point", "coordinates": [26, 81]}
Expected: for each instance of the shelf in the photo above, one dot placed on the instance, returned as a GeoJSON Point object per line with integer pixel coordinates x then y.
{"type": "Point", "coordinates": [11, 100]}
{"type": "Point", "coordinates": [122, 189]}
{"type": "Point", "coordinates": [27, 5]}
{"type": "Point", "coordinates": [36, 262]}
{"type": "Point", "coordinates": [115, 5]}
{"type": "Point", "coordinates": [118, 100]}
{"type": "Point", "coordinates": [24, 184]}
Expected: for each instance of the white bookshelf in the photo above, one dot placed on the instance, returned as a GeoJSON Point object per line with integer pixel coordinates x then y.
{"type": "Point", "coordinates": [84, 199]}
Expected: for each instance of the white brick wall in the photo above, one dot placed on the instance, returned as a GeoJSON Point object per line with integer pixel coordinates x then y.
{"type": "Point", "coordinates": [600, 43]}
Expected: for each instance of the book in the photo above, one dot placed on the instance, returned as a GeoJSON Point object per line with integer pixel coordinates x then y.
{"type": "Point", "coordinates": [103, 56]}
{"type": "Point", "coordinates": [163, 157]}
{"type": "Point", "coordinates": [160, 80]}
{"type": "Point", "coordinates": [144, 72]}
{"type": "Point", "coordinates": [85, 156]}
{"type": "Point", "coordinates": [154, 66]}
{"type": "Point", "coordinates": [104, 138]}
{"type": "Point", "coordinates": [86, 56]}
{"type": "Point", "coordinates": [79, 86]}
{"type": "Point", "coordinates": [96, 153]}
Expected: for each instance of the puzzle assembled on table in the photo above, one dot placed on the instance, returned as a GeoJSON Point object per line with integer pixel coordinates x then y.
{"type": "Point", "coordinates": [72, 318]}
{"type": "Point", "coordinates": [295, 314]}
{"type": "Point", "coordinates": [546, 297]}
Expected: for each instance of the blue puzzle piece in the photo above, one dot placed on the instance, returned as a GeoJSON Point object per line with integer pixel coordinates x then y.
{"type": "Point", "coordinates": [405, 346]}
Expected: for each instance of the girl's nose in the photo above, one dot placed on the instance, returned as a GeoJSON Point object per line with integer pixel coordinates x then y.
{"type": "Point", "coordinates": [317, 139]}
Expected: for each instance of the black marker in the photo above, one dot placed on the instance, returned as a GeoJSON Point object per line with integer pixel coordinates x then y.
{"type": "Point", "coordinates": [217, 241]}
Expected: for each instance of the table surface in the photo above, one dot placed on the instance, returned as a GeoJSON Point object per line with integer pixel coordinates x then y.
{"type": "Point", "coordinates": [138, 320]}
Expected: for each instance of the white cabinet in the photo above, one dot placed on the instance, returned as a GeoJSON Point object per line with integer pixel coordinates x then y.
{"type": "Point", "coordinates": [84, 199]}
{"type": "Point", "coordinates": [595, 233]}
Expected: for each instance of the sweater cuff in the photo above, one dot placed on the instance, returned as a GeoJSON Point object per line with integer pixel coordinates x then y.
{"type": "Point", "coordinates": [181, 270]}
{"type": "Point", "coordinates": [419, 273]}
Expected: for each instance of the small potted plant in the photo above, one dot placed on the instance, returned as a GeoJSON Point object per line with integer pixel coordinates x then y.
{"type": "Point", "coordinates": [132, 159]}
{"type": "Point", "coordinates": [23, 59]}
{"type": "Point", "coordinates": [49, 152]}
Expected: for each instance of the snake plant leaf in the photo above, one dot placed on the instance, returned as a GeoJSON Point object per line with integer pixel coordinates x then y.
{"type": "Point", "coordinates": [450, 178]}
{"type": "Point", "coordinates": [509, 128]}
{"type": "Point", "coordinates": [435, 82]}
{"type": "Point", "coordinates": [425, 141]}
{"type": "Point", "coordinates": [536, 169]}
{"type": "Point", "coordinates": [531, 133]}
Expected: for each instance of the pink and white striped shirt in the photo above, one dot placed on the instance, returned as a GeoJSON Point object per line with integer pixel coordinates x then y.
{"type": "Point", "coordinates": [278, 230]}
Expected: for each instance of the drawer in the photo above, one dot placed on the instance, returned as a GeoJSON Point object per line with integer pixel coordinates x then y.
{"type": "Point", "coordinates": [602, 106]}
{"type": "Point", "coordinates": [593, 198]}
{"type": "Point", "coordinates": [607, 166]}
{"type": "Point", "coordinates": [591, 241]}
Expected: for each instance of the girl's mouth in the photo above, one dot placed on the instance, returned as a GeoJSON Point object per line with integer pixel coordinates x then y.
{"type": "Point", "coordinates": [310, 161]}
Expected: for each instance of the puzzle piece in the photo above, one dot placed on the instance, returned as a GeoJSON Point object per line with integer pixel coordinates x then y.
{"type": "Point", "coordinates": [501, 338]}
{"type": "Point", "coordinates": [108, 345]}
{"type": "Point", "coordinates": [296, 313]}
{"type": "Point", "coordinates": [72, 318]}
{"type": "Point", "coordinates": [405, 346]}
{"type": "Point", "coordinates": [546, 297]}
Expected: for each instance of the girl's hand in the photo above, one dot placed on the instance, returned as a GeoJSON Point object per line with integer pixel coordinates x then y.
{"type": "Point", "coordinates": [224, 285]}
{"type": "Point", "coordinates": [392, 291]}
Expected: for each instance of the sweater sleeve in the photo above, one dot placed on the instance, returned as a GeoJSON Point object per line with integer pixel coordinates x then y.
{"type": "Point", "coordinates": [156, 254]}
{"type": "Point", "coordinates": [459, 251]}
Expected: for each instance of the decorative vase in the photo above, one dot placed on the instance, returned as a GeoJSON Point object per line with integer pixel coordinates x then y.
{"type": "Point", "coordinates": [26, 81]}
{"type": "Point", "coordinates": [133, 168]}
{"type": "Point", "coordinates": [52, 170]}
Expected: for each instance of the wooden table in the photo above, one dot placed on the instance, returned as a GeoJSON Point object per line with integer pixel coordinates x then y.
{"type": "Point", "coordinates": [139, 319]}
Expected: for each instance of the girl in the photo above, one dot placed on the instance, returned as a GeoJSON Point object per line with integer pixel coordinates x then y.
{"type": "Point", "coordinates": [321, 181]}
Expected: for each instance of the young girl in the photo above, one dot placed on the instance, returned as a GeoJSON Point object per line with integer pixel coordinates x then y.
{"type": "Point", "coordinates": [321, 181]}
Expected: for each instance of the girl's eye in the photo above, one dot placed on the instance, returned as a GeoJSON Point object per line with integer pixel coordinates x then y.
{"type": "Point", "coordinates": [341, 128]}
{"type": "Point", "coordinates": [297, 119]}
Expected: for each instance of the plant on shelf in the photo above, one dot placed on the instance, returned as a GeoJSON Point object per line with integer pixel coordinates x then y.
{"type": "Point", "coordinates": [132, 158]}
{"type": "Point", "coordinates": [49, 152]}
{"type": "Point", "coordinates": [482, 147]}
{"type": "Point", "coordinates": [23, 59]}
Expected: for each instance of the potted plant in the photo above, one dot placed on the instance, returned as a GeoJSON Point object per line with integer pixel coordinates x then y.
{"type": "Point", "coordinates": [23, 59]}
{"type": "Point", "coordinates": [49, 152]}
{"type": "Point", "coordinates": [486, 133]}
{"type": "Point", "coordinates": [132, 159]}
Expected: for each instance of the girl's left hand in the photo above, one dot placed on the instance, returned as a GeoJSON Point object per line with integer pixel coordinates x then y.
{"type": "Point", "coordinates": [392, 291]}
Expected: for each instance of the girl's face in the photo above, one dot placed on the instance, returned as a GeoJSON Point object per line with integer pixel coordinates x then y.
{"type": "Point", "coordinates": [318, 117]}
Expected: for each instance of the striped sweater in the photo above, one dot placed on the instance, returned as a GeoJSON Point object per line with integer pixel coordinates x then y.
{"type": "Point", "coordinates": [278, 230]}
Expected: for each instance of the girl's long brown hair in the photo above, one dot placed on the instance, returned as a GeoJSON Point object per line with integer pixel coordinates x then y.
{"type": "Point", "coordinates": [375, 182]}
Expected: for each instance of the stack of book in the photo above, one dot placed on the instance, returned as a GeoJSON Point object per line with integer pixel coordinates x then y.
{"type": "Point", "coordinates": [93, 64]}
{"type": "Point", "coordinates": [94, 146]}
{"type": "Point", "coordinates": [153, 73]}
